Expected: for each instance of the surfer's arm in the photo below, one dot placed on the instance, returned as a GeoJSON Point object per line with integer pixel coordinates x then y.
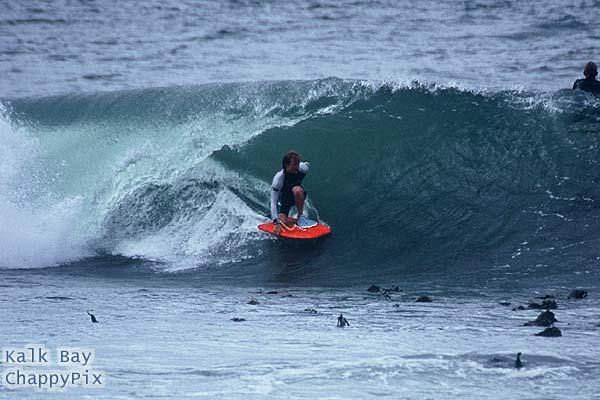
{"type": "Point", "coordinates": [275, 192]}
{"type": "Point", "coordinates": [304, 167]}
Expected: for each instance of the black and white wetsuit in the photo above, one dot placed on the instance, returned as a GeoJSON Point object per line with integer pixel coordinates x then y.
{"type": "Point", "coordinates": [283, 183]}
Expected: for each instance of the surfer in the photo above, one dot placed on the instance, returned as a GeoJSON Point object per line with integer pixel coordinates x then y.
{"type": "Point", "coordinates": [93, 317]}
{"type": "Point", "coordinates": [287, 189]}
{"type": "Point", "coordinates": [589, 83]}
{"type": "Point", "coordinates": [342, 321]}
{"type": "Point", "coordinates": [518, 362]}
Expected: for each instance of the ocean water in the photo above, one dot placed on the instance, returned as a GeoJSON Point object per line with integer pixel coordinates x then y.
{"type": "Point", "coordinates": [448, 154]}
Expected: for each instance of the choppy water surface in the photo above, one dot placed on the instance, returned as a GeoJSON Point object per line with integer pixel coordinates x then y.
{"type": "Point", "coordinates": [167, 339]}
{"type": "Point", "coordinates": [66, 46]}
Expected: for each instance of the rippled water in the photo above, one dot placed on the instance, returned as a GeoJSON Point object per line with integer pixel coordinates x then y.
{"type": "Point", "coordinates": [65, 46]}
{"type": "Point", "coordinates": [170, 339]}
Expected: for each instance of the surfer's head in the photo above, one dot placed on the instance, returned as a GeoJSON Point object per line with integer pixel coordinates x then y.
{"type": "Point", "coordinates": [291, 162]}
{"type": "Point", "coordinates": [590, 70]}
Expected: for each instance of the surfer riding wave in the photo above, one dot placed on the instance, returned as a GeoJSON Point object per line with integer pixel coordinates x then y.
{"type": "Point", "coordinates": [287, 189]}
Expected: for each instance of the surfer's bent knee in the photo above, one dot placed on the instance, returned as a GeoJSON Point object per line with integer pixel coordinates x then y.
{"type": "Point", "coordinates": [298, 190]}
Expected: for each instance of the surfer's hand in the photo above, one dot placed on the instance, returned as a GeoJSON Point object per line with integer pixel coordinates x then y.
{"type": "Point", "coordinates": [277, 229]}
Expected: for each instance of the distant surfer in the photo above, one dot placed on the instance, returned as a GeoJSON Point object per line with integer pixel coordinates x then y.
{"type": "Point", "coordinates": [342, 321]}
{"type": "Point", "coordinates": [93, 317]}
{"type": "Point", "coordinates": [287, 189]}
{"type": "Point", "coordinates": [589, 83]}
{"type": "Point", "coordinates": [518, 362]}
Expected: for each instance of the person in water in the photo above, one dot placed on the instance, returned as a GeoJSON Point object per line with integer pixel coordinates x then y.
{"type": "Point", "coordinates": [589, 83]}
{"type": "Point", "coordinates": [287, 188]}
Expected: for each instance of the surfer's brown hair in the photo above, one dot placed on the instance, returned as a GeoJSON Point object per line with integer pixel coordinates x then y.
{"type": "Point", "coordinates": [287, 159]}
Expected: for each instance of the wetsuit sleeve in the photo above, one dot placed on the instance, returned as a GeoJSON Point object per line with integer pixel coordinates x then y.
{"type": "Point", "coordinates": [275, 192]}
{"type": "Point", "coordinates": [575, 84]}
{"type": "Point", "coordinates": [304, 167]}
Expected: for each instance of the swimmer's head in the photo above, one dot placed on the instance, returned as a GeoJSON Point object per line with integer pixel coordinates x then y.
{"type": "Point", "coordinates": [590, 70]}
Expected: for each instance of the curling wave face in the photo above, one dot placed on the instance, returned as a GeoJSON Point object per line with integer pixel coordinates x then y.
{"type": "Point", "coordinates": [413, 179]}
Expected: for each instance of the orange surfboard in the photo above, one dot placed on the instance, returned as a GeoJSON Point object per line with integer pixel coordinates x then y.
{"type": "Point", "coordinates": [296, 232]}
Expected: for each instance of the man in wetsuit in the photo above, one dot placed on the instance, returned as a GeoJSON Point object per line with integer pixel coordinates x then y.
{"type": "Point", "coordinates": [589, 84]}
{"type": "Point", "coordinates": [287, 188]}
